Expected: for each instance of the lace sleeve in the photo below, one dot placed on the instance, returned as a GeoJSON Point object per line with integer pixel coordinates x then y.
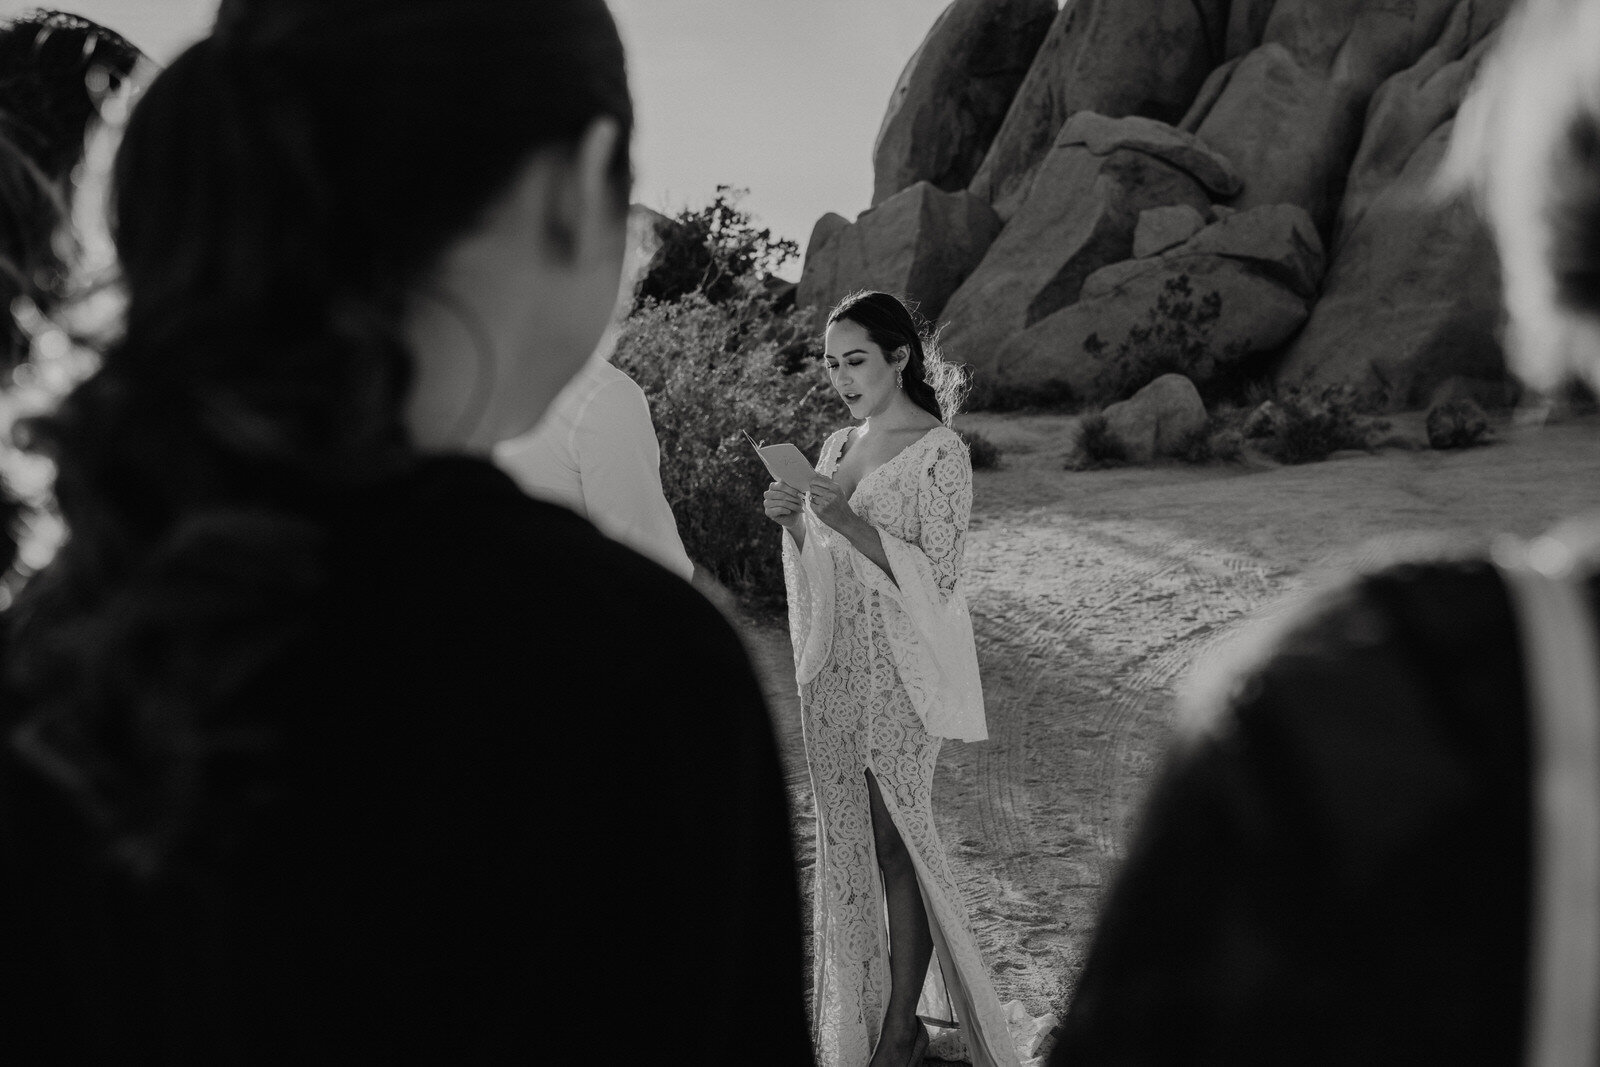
{"type": "Point", "coordinates": [925, 614]}
{"type": "Point", "coordinates": [944, 507]}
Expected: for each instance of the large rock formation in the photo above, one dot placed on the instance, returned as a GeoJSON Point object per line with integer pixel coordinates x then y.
{"type": "Point", "coordinates": [1113, 57]}
{"type": "Point", "coordinates": [1299, 124]}
{"type": "Point", "coordinates": [1412, 297]}
{"type": "Point", "coordinates": [1289, 115]}
{"type": "Point", "coordinates": [953, 94]}
{"type": "Point", "coordinates": [920, 243]}
{"type": "Point", "coordinates": [1081, 215]}
{"type": "Point", "coordinates": [1238, 289]}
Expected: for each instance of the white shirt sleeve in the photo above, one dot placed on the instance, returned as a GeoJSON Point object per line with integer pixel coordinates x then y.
{"type": "Point", "coordinates": [619, 464]}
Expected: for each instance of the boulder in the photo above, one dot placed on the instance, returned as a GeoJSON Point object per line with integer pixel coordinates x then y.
{"type": "Point", "coordinates": [1103, 135]}
{"type": "Point", "coordinates": [953, 94]}
{"type": "Point", "coordinates": [1247, 21]}
{"type": "Point", "coordinates": [1290, 115]}
{"type": "Point", "coordinates": [1261, 268]}
{"type": "Point", "coordinates": [1107, 56]}
{"type": "Point", "coordinates": [1080, 216]}
{"type": "Point", "coordinates": [1162, 227]}
{"type": "Point", "coordinates": [1152, 313]}
{"type": "Point", "coordinates": [1158, 420]}
{"type": "Point", "coordinates": [826, 229]}
{"type": "Point", "coordinates": [1496, 394]}
{"type": "Point", "coordinates": [1210, 92]}
{"type": "Point", "coordinates": [1279, 239]}
{"type": "Point", "coordinates": [1412, 297]}
{"type": "Point", "coordinates": [1406, 111]}
{"type": "Point", "coordinates": [920, 244]}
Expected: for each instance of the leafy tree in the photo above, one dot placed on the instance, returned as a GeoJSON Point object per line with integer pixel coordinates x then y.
{"type": "Point", "coordinates": [711, 250]}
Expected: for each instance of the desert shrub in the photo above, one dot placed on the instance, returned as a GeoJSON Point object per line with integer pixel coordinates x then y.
{"type": "Point", "coordinates": [1219, 439]}
{"type": "Point", "coordinates": [1226, 444]}
{"type": "Point", "coordinates": [1316, 425]}
{"type": "Point", "coordinates": [712, 370]}
{"type": "Point", "coordinates": [1175, 338]}
{"type": "Point", "coordinates": [712, 251]}
{"type": "Point", "coordinates": [1457, 424]}
{"type": "Point", "coordinates": [984, 452]}
{"type": "Point", "coordinates": [1097, 446]}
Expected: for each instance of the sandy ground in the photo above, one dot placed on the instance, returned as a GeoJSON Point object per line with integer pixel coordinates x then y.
{"type": "Point", "coordinates": [1094, 593]}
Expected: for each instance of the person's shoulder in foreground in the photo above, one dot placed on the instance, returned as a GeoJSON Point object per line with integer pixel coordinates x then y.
{"type": "Point", "coordinates": [517, 765]}
{"type": "Point", "coordinates": [636, 770]}
{"type": "Point", "coordinates": [1332, 866]}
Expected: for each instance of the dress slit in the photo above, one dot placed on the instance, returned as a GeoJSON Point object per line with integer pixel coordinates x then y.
{"type": "Point", "coordinates": [942, 986]}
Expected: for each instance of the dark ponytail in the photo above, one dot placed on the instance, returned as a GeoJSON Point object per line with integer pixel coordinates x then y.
{"type": "Point", "coordinates": [936, 385]}
{"type": "Point", "coordinates": [278, 194]}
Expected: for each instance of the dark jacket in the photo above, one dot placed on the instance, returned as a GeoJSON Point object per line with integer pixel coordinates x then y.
{"type": "Point", "coordinates": [526, 807]}
{"type": "Point", "coordinates": [1335, 870]}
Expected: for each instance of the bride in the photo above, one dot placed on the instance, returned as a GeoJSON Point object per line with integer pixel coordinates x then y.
{"type": "Point", "coordinates": [887, 669]}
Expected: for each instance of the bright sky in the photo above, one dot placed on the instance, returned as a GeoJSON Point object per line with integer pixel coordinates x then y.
{"type": "Point", "coordinates": [782, 97]}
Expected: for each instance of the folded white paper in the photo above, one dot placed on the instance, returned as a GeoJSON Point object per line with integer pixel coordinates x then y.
{"type": "Point", "coordinates": [786, 463]}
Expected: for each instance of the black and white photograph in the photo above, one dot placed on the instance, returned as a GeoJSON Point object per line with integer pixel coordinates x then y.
{"type": "Point", "coordinates": [844, 533]}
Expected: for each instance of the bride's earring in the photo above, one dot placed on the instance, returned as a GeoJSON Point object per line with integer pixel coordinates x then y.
{"type": "Point", "coordinates": [900, 376]}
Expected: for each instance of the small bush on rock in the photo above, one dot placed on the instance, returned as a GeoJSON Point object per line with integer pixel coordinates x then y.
{"type": "Point", "coordinates": [1457, 424]}
{"type": "Point", "coordinates": [1175, 338]}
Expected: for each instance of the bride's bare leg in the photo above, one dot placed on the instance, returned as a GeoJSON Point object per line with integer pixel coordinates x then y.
{"type": "Point", "coordinates": [911, 943]}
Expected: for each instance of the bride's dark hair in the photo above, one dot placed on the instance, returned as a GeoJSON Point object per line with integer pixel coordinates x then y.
{"type": "Point", "coordinates": [936, 385]}
{"type": "Point", "coordinates": [278, 193]}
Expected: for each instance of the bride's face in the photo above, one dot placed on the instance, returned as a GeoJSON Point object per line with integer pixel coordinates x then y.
{"type": "Point", "coordinates": [858, 369]}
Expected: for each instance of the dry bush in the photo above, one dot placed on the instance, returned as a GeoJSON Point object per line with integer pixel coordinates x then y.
{"type": "Point", "coordinates": [1096, 445]}
{"type": "Point", "coordinates": [984, 452]}
{"type": "Point", "coordinates": [711, 372]}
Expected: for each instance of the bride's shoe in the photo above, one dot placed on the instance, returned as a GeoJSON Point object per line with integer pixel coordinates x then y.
{"type": "Point", "coordinates": [919, 1047]}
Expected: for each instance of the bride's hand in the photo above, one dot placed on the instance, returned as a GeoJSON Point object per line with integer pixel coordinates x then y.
{"type": "Point", "coordinates": [784, 505]}
{"type": "Point", "coordinates": [829, 504]}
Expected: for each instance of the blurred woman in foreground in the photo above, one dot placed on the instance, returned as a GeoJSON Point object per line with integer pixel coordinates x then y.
{"type": "Point", "coordinates": [1381, 843]}
{"type": "Point", "coordinates": [321, 740]}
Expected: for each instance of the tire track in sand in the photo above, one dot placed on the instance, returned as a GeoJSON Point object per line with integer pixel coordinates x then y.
{"type": "Point", "coordinates": [1082, 630]}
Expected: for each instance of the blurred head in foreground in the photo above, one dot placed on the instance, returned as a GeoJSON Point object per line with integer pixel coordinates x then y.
{"type": "Point", "coordinates": [350, 232]}
{"type": "Point", "coordinates": [1527, 141]}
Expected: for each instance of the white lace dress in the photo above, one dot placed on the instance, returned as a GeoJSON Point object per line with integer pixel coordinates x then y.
{"type": "Point", "coordinates": [886, 672]}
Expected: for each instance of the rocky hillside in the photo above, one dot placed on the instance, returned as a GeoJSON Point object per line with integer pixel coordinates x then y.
{"type": "Point", "coordinates": [1229, 188]}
